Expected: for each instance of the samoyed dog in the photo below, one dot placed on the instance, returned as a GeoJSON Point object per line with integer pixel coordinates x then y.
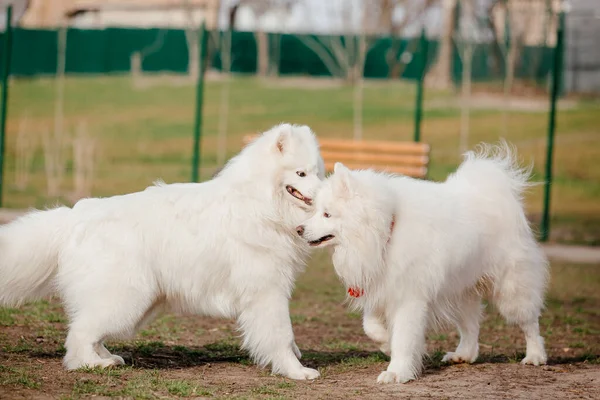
{"type": "Point", "coordinates": [224, 248]}
{"type": "Point", "coordinates": [414, 253]}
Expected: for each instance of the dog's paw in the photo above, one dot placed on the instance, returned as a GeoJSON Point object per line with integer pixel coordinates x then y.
{"type": "Point", "coordinates": [113, 361]}
{"type": "Point", "coordinates": [456, 358]}
{"type": "Point", "coordinates": [296, 351]}
{"type": "Point", "coordinates": [395, 377]}
{"type": "Point", "coordinates": [304, 374]}
{"type": "Point", "coordinates": [536, 359]}
{"type": "Point", "coordinates": [118, 360]}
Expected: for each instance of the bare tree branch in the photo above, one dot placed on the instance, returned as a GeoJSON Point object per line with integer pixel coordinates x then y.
{"type": "Point", "coordinates": [260, 8]}
{"type": "Point", "coordinates": [412, 12]}
{"type": "Point", "coordinates": [320, 50]}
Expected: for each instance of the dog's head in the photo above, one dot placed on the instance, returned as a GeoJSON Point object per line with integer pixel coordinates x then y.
{"type": "Point", "coordinates": [301, 168]}
{"type": "Point", "coordinates": [283, 165]}
{"type": "Point", "coordinates": [348, 206]}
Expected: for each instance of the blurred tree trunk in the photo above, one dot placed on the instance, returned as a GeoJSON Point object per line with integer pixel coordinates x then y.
{"type": "Point", "coordinates": [275, 53]}
{"type": "Point", "coordinates": [441, 72]}
{"type": "Point", "coordinates": [191, 36]}
{"type": "Point", "coordinates": [262, 45]}
{"type": "Point", "coordinates": [359, 70]}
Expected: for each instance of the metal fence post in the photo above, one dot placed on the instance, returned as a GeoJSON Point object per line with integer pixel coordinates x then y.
{"type": "Point", "coordinates": [556, 84]}
{"type": "Point", "coordinates": [3, 110]}
{"type": "Point", "coordinates": [199, 101]}
{"type": "Point", "coordinates": [423, 48]}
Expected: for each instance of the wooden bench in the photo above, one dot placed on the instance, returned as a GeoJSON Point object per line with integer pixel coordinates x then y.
{"type": "Point", "coordinates": [406, 158]}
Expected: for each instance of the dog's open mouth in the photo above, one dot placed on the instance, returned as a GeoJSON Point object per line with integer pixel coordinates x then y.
{"type": "Point", "coordinates": [296, 193]}
{"type": "Point", "coordinates": [321, 240]}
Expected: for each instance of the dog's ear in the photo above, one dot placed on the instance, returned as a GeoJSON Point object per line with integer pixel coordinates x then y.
{"type": "Point", "coordinates": [339, 168]}
{"type": "Point", "coordinates": [283, 140]}
{"type": "Point", "coordinates": [343, 178]}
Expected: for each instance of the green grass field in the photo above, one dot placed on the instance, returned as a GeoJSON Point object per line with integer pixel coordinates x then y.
{"type": "Point", "coordinates": [145, 134]}
{"type": "Point", "coordinates": [179, 356]}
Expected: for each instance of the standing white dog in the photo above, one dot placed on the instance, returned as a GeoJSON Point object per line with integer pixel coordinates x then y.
{"type": "Point", "coordinates": [413, 252]}
{"type": "Point", "coordinates": [225, 248]}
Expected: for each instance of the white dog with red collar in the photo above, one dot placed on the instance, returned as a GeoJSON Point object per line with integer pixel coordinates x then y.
{"type": "Point", "coordinates": [414, 253]}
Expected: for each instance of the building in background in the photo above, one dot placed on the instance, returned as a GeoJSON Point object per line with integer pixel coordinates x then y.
{"type": "Point", "coordinates": [19, 8]}
{"type": "Point", "coordinates": [98, 14]}
{"type": "Point", "coordinates": [143, 13]}
{"type": "Point", "coordinates": [582, 58]}
{"type": "Point", "coordinates": [531, 22]}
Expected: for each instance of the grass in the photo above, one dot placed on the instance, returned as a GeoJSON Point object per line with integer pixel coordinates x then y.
{"type": "Point", "coordinates": [211, 364]}
{"type": "Point", "coordinates": [149, 348]}
{"type": "Point", "coordinates": [148, 385]}
{"type": "Point", "coordinates": [7, 316]}
{"type": "Point", "coordinates": [166, 329]}
{"type": "Point", "coordinates": [17, 377]}
{"type": "Point", "coordinates": [354, 362]}
{"type": "Point", "coordinates": [180, 388]}
{"type": "Point", "coordinates": [337, 344]}
{"type": "Point", "coordinates": [145, 134]}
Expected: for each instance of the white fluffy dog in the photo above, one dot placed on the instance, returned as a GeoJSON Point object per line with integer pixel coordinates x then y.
{"type": "Point", "coordinates": [413, 253]}
{"type": "Point", "coordinates": [224, 248]}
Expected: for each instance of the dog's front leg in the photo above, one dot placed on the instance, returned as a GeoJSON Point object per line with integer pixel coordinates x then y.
{"type": "Point", "coordinates": [268, 336]}
{"type": "Point", "coordinates": [375, 329]}
{"type": "Point", "coordinates": [408, 324]}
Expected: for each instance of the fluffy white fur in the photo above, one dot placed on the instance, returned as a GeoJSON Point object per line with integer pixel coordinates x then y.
{"type": "Point", "coordinates": [224, 248]}
{"type": "Point", "coordinates": [426, 252]}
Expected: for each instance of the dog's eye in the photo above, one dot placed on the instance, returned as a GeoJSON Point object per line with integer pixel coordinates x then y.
{"type": "Point", "coordinates": [301, 174]}
{"type": "Point", "coordinates": [327, 215]}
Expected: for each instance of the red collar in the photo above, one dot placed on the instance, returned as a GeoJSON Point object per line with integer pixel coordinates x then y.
{"type": "Point", "coordinates": [357, 292]}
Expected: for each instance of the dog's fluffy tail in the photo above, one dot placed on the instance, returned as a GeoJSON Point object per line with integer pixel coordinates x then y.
{"type": "Point", "coordinates": [29, 250]}
{"type": "Point", "coordinates": [494, 169]}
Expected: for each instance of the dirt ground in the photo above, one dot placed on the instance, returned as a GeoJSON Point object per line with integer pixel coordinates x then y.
{"type": "Point", "coordinates": [482, 381]}
{"type": "Point", "coordinates": [196, 357]}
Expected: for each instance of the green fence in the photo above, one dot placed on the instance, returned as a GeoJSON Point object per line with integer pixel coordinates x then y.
{"type": "Point", "coordinates": [109, 51]}
{"type": "Point", "coordinates": [534, 63]}
{"type": "Point", "coordinates": [142, 127]}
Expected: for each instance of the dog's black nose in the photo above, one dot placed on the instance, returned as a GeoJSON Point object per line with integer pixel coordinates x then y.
{"type": "Point", "coordinates": [300, 230]}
